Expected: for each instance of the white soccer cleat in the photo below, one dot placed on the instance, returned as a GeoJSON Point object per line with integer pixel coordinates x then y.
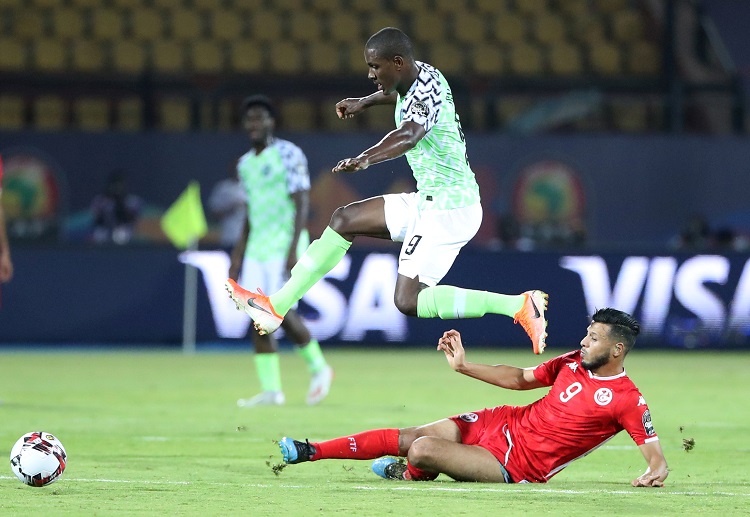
{"type": "Point", "coordinates": [265, 398]}
{"type": "Point", "coordinates": [320, 385]}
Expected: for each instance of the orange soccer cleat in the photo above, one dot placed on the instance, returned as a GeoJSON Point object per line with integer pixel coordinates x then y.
{"type": "Point", "coordinates": [531, 318]}
{"type": "Point", "coordinates": [256, 305]}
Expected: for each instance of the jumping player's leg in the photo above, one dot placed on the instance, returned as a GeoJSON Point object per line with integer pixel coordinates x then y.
{"type": "Point", "coordinates": [432, 240]}
{"type": "Point", "coordinates": [359, 218]}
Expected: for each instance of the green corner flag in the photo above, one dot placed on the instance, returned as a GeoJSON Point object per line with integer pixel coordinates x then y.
{"type": "Point", "coordinates": [184, 222]}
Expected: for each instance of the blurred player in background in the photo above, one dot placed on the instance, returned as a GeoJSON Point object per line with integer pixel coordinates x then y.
{"type": "Point", "coordinates": [6, 265]}
{"type": "Point", "coordinates": [591, 400]}
{"type": "Point", "coordinates": [274, 176]}
{"type": "Point", "coordinates": [433, 224]}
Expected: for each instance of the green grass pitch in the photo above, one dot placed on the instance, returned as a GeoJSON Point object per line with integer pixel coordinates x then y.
{"type": "Point", "coordinates": [158, 433]}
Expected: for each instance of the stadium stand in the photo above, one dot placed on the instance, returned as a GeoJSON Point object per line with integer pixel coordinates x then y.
{"type": "Point", "coordinates": [506, 45]}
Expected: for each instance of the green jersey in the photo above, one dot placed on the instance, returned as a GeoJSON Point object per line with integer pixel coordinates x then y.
{"type": "Point", "coordinates": [269, 179]}
{"type": "Point", "coordinates": [439, 160]}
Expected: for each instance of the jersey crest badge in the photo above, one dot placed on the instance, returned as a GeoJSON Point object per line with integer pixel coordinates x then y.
{"type": "Point", "coordinates": [648, 427]}
{"type": "Point", "coordinates": [469, 417]}
{"type": "Point", "coordinates": [603, 396]}
{"type": "Point", "coordinates": [420, 109]}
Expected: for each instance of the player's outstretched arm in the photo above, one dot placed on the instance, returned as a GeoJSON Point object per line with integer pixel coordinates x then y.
{"type": "Point", "coordinates": [657, 470]}
{"type": "Point", "coordinates": [349, 107]}
{"type": "Point", "coordinates": [509, 377]}
{"type": "Point", "coordinates": [393, 145]}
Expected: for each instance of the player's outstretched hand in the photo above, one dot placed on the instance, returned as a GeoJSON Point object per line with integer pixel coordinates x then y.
{"type": "Point", "coordinates": [650, 479]}
{"type": "Point", "coordinates": [450, 344]}
{"type": "Point", "coordinates": [351, 165]}
{"type": "Point", "coordinates": [347, 108]}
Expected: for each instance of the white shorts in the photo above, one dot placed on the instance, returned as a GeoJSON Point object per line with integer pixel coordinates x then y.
{"type": "Point", "coordinates": [431, 238]}
{"type": "Point", "coordinates": [269, 275]}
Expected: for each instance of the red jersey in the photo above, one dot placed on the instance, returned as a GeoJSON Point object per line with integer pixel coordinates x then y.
{"type": "Point", "coordinates": [580, 413]}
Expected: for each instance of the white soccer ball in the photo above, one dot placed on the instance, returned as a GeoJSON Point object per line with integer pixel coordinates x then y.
{"type": "Point", "coordinates": [38, 458]}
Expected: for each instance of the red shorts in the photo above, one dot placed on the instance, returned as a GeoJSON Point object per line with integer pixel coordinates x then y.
{"type": "Point", "coordinates": [488, 428]}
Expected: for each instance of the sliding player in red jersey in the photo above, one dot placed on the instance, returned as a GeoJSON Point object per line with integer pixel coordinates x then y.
{"type": "Point", "coordinates": [591, 400]}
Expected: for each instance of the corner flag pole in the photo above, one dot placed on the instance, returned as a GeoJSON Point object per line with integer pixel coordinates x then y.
{"type": "Point", "coordinates": [190, 305]}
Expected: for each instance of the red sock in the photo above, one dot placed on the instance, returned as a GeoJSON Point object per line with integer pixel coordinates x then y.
{"type": "Point", "coordinates": [363, 446]}
{"type": "Point", "coordinates": [417, 474]}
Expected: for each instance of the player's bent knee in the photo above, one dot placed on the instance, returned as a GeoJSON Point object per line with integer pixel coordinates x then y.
{"type": "Point", "coordinates": [422, 452]}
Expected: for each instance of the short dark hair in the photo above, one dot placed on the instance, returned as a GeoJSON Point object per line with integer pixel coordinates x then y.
{"type": "Point", "coordinates": [623, 326]}
{"type": "Point", "coordinates": [259, 100]}
{"type": "Point", "coordinates": [391, 42]}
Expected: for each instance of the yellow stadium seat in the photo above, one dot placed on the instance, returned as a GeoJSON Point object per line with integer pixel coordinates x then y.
{"type": "Point", "coordinates": [49, 113]}
{"type": "Point", "coordinates": [186, 24]}
{"type": "Point", "coordinates": [380, 20]}
{"type": "Point", "coordinates": [532, 7]}
{"type": "Point", "coordinates": [487, 59]}
{"type": "Point", "coordinates": [289, 5]}
{"type": "Point", "coordinates": [509, 28]}
{"type": "Point", "coordinates": [246, 56]}
{"type": "Point", "coordinates": [549, 29]}
{"type": "Point", "coordinates": [67, 23]}
{"type": "Point", "coordinates": [248, 5]}
{"type": "Point", "coordinates": [12, 112]}
{"type": "Point", "coordinates": [168, 4]}
{"type": "Point", "coordinates": [469, 27]}
{"type": "Point", "coordinates": [565, 59]}
{"type": "Point", "coordinates": [106, 24]}
{"type": "Point", "coordinates": [226, 25]}
{"type": "Point", "coordinates": [28, 24]}
{"type": "Point", "coordinates": [265, 25]}
{"type": "Point", "coordinates": [330, 120]}
{"type": "Point", "coordinates": [324, 58]}
{"type": "Point", "coordinates": [377, 118]}
{"type": "Point", "coordinates": [87, 56]}
{"type": "Point", "coordinates": [13, 55]}
{"type": "Point", "coordinates": [47, 3]}
{"type": "Point", "coordinates": [128, 56]}
{"type": "Point", "coordinates": [129, 114]}
{"type": "Point", "coordinates": [627, 26]}
{"type": "Point", "coordinates": [573, 7]}
{"type": "Point", "coordinates": [605, 59]}
{"type": "Point", "coordinates": [147, 24]}
{"type": "Point", "coordinates": [175, 114]}
{"type": "Point", "coordinates": [491, 7]}
{"type": "Point", "coordinates": [50, 55]}
{"type": "Point", "coordinates": [129, 4]}
{"type": "Point", "coordinates": [448, 57]}
{"type": "Point", "coordinates": [451, 7]}
{"type": "Point", "coordinates": [344, 27]}
{"type": "Point", "coordinates": [428, 27]}
{"type": "Point", "coordinates": [354, 60]}
{"type": "Point", "coordinates": [298, 114]}
{"type": "Point", "coordinates": [610, 6]}
{"type": "Point", "coordinates": [286, 58]}
{"type": "Point", "coordinates": [643, 58]}
{"type": "Point", "coordinates": [168, 56]}
{"type": "Point", "coordinates": [208, 5]}
{"type": "Point", "coordinates": [326, 6]}
{"type": "Point", "coordinates": [587, 29]}
{"type": "Point", "coordinates": [305, 26]}
{"type": "Point", "coordinates": [526, 60]}
{"type": "Point", "coordinates": [207, 56]}
{"type": "Point", "coordinates": [85, 4]}
{"type": "Point", "coordinates": [91, 114]}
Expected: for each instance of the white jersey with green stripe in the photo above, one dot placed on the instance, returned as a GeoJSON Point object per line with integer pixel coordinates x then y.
{"type": "Point", "coordinates": [439, 161]}
{"type": "Point", "coordinates": [269, 179]}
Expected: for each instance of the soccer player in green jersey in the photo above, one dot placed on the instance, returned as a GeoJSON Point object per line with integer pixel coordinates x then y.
{"type": "Point", "coordinates": [433, 224]}
{"type": "Point", "coordinates": [277, 183]}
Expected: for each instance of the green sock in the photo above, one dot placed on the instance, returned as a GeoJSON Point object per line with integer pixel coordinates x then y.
{"type": "Point", "coordinates": [448, 302]}
{"type": "Point", "coordinates": [319, 258]}
{"type": "Point", "coordinates": [313, 356]}
{"type": "Point", "coordinates": [269, 371]}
